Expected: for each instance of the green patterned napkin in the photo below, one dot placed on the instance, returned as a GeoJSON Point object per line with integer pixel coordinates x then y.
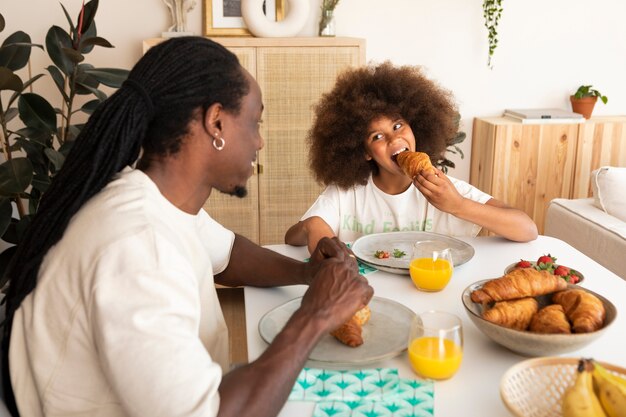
{"type": "Point", "coordinates": [345, 385]}
{"type": "Point", "coordinates": [412, 399]}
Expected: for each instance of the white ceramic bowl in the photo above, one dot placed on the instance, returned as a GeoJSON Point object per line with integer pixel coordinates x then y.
{"type": "Point", "coordinates": [534, 344]}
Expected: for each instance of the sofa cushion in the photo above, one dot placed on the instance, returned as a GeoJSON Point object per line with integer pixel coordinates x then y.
{"type": "Point", "coordinates": [609, 186]}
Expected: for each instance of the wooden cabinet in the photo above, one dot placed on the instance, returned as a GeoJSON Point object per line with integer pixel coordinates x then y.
{"type": "Point", "coordinates": [527, 165]}
{"type": "Point", "coordinates": [293, 74]}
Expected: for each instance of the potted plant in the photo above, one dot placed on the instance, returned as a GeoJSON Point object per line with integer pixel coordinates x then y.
{"type": "Point", "coordinates": [584, 99]}
{"type": "Point", "coordinates": [35, 136]}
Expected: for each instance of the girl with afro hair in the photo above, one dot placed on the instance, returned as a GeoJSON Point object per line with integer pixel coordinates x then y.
{"type": "Point", "coordinates": [372, 114]}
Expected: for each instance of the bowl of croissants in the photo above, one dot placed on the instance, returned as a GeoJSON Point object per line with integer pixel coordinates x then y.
{"type": "Point", "coordinates": [535, 313]}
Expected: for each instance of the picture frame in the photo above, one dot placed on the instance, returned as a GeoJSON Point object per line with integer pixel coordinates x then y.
{"type": "Point", "coordinates": [223, 17]}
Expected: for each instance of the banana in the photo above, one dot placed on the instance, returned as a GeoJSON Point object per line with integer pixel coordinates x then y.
{"type": "Point", "coordinates": [611, 390]}
{"type": "Point", "coordinates": [579, 400]}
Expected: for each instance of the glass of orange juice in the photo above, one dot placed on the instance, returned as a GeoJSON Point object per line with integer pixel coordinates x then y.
{"type": "Point", "coordinates": [431, 265]}
{"type": "Point", "coordinates": [436, 344]}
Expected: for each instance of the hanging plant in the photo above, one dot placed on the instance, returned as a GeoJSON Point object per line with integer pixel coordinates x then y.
{"type": "Point", "coordinates": [492, 10]}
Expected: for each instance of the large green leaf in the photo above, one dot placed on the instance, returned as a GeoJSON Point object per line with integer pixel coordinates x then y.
{"type": "Point", "coordinates": [84, 79]}
{"type": "Point", "coordinates": [27, 84]}
{"type": "Point", "coordinates": [72, 133]}
{"type": "Point", "coordinates": [9, 81]}
{"type": "Point", "coordinates": [69, 20]}
{"type": "Point", "coordinates": [59, 81]}
{"type": "Point", "coordinates": [86, 43]}
{"type": "Point", "coordinates": [91, 106]}
{"type": "Point", "coordinates": [111, 77]}
{"type": "Point", "coordinates": [34, 151]}
{"type": "Point", "coordinates": [40, 136]}
{"type": "Point", "coordinates": [2, 23]}
{"type": "Point", "coordinates": [41, 182]}
{"type": "Point", "coordinates": [91, 32]}
{"type": "Point", "coordinates": [34, 199]}
{"type": "Point", "coordinates": [5, 260]}
{"type": "Point", "coordinates": [100, 94]}
{"type": "Point", "coordinates": [56, 40]}
{"type": "Point", "coordinates": [6, 212]}
{"type": "Point", "coordinates": [36, 112]}
{"type": "Point", "coordinates": [88, 17]}
{"type": "Point", "coordinates": [10, 114]}
{"type": "Point", "coordinates": [15, 51]}
{"type": "Point", "coordinates": [15, 176]}
{"type": "Point", "coordinates": [73, 55]}
{"type": "Point", "coordinates": [55, 157]}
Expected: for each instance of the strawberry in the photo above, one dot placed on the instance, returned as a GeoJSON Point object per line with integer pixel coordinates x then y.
{"type": "Point", "coordinates": [562, 271]}
{"type": "Point", "coordinates": [523, 264]}
{"type": "Point", "coordinates": [547, 260]}
{"type": "Point", "coordinates": [575, 277]}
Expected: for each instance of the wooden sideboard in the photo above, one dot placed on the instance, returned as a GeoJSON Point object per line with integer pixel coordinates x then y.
{"type": "Point", "coordinates": [293, 74]}
{"type": "Point", "coordinates": [527, 165]}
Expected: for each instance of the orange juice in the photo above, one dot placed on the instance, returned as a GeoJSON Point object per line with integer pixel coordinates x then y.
{"type": "Point", "coordinates": [430, 275]}
{"type": "Point", "coordinates": [435, 358]}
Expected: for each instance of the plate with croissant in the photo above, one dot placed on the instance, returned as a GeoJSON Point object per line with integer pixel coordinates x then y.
{"type": "Point", "coordinates": [397, 248]}
{"type": "Point", "coordinates": [535, 313]}
{"type": "Point", "coordinates": [376, 333]}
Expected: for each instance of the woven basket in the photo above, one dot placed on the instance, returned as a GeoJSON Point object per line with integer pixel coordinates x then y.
{"type": "Point", "coordinates": [533, 388]}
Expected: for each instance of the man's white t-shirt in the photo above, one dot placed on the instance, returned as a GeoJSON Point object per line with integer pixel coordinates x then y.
{"type": "Point", "coordinates": [125, 319]}
{"type": "Point", "coordinates": [365, 209]}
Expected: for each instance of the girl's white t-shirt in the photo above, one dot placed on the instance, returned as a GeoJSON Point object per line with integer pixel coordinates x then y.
{"type": "Point", "coordinates": [365, 209]}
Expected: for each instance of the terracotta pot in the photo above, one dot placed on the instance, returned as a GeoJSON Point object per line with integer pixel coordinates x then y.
{"type": "Point", "coordinates": [583, 105]}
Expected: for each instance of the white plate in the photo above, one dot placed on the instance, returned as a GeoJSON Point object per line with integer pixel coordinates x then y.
{"type": "Point", "coordinates": [385, 335]}
{"type": "Point", "coordinates": [365, 247]}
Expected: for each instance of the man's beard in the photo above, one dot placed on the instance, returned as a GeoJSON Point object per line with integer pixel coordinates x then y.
{"type": "Point", "coordinates": [239, 191]}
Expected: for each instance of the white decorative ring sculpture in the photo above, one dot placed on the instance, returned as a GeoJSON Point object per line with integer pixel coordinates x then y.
{"type": "Point", "coordinates": [259, 25]}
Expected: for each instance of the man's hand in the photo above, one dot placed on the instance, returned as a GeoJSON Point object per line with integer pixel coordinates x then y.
{"type": "Point", "coordinates": [336, 291]}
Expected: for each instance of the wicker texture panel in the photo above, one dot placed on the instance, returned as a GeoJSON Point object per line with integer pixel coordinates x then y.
{"type": "Point", "coordinates": [292, 80]}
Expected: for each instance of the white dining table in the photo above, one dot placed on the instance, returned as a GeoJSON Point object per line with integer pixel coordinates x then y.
{"type": "Point", "coordinates": [474, 390]}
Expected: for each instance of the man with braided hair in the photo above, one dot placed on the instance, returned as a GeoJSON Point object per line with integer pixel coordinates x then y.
{"type": "Point", "coordinates": [111, 308]}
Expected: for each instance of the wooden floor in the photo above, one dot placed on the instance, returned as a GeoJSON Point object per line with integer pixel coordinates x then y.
{"type": "Point", "coordinates": [233, 307]}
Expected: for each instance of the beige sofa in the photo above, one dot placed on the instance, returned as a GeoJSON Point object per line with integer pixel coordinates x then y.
{"type": "Point", "coordinates": [595, 226]}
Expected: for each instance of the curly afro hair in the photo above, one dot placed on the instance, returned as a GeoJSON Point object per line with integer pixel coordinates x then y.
{"type": "Point", "coordinates": [360, 95]}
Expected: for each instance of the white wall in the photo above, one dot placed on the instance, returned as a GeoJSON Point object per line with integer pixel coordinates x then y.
{"type": "Point", "coordinates": [547, 47]}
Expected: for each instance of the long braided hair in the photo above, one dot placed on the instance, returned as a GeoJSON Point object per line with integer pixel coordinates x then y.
{"type": "Point", "coordinates": [150, 112]}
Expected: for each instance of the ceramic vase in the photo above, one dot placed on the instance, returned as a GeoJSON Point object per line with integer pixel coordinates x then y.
{"type": "Point", "coordinates": [259, 25]}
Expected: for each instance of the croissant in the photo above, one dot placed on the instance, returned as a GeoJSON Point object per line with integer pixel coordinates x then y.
{"type": "Point", "coordinates": [349, 333]}
{"type": "Point", "coordinates": [584, 310]}
{"type": "Point", "coordinates": [412, 163]}
{"type": "Point", "coordinates": [515, 314]}
{"type": "Point", "coordinates": [550, 319]}
{"type": "Point", "coordinates": [519, 283]}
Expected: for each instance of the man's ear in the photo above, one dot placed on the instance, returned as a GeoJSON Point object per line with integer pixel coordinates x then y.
{"type": "Point", "coordinates": [213, 119]}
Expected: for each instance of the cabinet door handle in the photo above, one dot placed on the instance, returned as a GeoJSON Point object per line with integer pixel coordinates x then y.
{"type": "Point", "coordinates": [259, 169]}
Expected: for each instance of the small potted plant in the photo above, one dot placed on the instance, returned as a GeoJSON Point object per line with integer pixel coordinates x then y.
{"type": "Point", "coordinates": [584, 99]}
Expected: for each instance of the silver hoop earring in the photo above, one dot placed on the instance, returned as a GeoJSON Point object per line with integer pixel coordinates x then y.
{"type": "Point", "coordinates": [222, 142]}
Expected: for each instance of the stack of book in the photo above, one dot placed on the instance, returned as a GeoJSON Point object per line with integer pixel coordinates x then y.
{"type": "Point", "coordinates": [545, 116]}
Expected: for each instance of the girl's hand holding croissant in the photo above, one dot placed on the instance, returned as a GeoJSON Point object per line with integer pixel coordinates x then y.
{"type": "Point", "coordinates": [439, 191]}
